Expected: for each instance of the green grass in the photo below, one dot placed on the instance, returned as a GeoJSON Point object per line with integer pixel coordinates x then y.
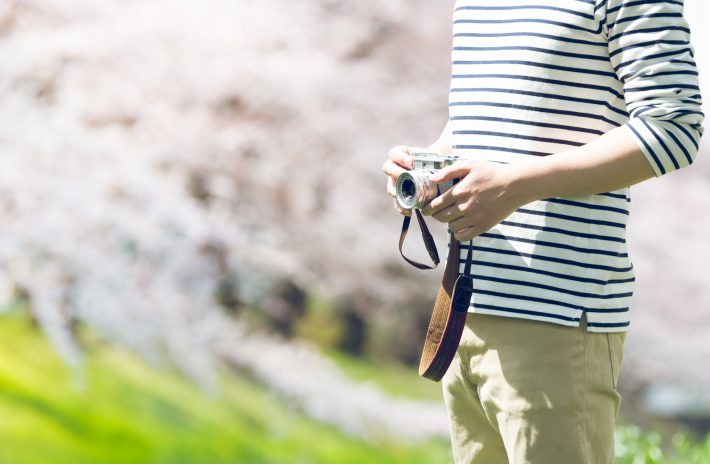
{"type": "Point", "coordinates": [393, 378]}
{"type": "Point", "coordinates": [321, 327]}
{"type": "Point", "coordinates": [128, 412]}
{"type": "Point", "coordinates": [116, 409]}
{"type": "Point", "coordinates": [635, 446]}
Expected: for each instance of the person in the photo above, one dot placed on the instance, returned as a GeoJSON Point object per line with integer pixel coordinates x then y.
{"type": "Point", "coordinates": [556, 108]}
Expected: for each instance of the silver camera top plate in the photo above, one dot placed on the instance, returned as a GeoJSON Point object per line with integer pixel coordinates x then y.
{"type": "Point", "coordinates": [431, 161]}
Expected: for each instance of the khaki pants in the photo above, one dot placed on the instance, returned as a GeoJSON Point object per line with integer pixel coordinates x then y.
{"type": "Point", "coordinates": [523, 391]}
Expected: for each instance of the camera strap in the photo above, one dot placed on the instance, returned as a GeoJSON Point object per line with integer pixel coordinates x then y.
{"type": "Point", "coordinates": [448, 317]}
{"type": "Point", "coordinates": [428, 242]}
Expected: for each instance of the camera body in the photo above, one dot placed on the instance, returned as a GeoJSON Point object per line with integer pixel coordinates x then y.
{"type": "Point", "coordinates": [414, 189]}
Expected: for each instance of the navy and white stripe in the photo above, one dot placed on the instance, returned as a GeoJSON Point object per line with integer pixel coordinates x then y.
{"type": "Point", "coordinates": [533, 78]}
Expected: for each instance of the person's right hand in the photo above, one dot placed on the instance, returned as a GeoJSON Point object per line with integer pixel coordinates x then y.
{"type": "Point", "coordinates": [399, 159]}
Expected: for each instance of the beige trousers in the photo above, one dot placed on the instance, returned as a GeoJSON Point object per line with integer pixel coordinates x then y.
{"type": "Point", "coordinates": [521, 391]}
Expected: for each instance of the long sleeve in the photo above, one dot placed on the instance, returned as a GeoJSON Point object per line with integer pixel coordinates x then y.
{"type": "Point", "coordinates": [650, 50]}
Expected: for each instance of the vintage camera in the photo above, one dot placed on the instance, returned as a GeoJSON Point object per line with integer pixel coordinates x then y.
{"type": "Point", "coordinates": [414, 189]}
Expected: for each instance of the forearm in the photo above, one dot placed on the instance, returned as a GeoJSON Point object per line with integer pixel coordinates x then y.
{"type": "Point", "coordinates": [608, 163]}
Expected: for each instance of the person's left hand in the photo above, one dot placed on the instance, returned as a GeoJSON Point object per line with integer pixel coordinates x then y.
{"type": "Point", "coordinates": [485, 195]}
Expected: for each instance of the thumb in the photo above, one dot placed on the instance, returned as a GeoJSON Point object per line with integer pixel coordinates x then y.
{"type": "Point", "coordinates": [455, 171]}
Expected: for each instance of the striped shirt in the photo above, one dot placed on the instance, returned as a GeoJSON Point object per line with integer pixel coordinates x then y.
{"type": "Point", "coordinates": [532, 78]}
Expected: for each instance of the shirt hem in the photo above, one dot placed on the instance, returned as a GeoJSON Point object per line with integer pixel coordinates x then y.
{"type": "Point", "coordinates": [551, 319]}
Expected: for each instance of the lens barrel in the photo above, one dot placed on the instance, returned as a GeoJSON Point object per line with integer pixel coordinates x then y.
{"type": "Point", "coordinates": [414, 190]}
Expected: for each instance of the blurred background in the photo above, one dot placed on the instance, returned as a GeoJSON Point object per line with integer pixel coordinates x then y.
{"type": "Point", "coordinates": [198, 259]}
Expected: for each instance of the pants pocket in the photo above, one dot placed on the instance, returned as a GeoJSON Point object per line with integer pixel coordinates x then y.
{"type": "Point", "coordinates": [615, 340]}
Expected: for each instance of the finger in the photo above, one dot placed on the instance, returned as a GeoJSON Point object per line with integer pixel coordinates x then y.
{"type": "Point", "coordinates": [402, 211]}
{"type": "Point", "coordinates": [392, 169]}
{"type": "Point", "coordinates": [439, 203]}
{"type": "Point", "coordinates": [467, 234]}
{"type": "Point", "coordinates": [391, 190]}
{"type": "Point", "coordinates": [455, 171]}
{"type": "Point", "coordinates": [450, 214]}
{"type": "Point", "coordinates": [402, 156]}
{"type": "Point", "coordinates": [461, 224]}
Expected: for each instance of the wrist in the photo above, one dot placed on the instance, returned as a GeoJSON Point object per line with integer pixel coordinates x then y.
{"type": "Point", "coordinates": [530, 180]}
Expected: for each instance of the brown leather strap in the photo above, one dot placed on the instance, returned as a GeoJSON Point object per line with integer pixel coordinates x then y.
{"type": "Point", "coordinates": [428, 242]}
{"type": "Point", "coordinates": [449, 316]}
{"type": "Point", "coordinates": [451, 307]}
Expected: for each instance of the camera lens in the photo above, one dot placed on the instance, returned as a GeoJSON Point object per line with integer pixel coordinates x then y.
{"type": "Point", "coordinates": [409, 190]}
{"type": "Point", "coordinates": [414, 189]}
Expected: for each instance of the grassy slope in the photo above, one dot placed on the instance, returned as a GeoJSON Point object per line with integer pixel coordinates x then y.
{"type": "Point", "coordinates": [395, 379]}
{"type": "Point", "coordinates": [129, 413]}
